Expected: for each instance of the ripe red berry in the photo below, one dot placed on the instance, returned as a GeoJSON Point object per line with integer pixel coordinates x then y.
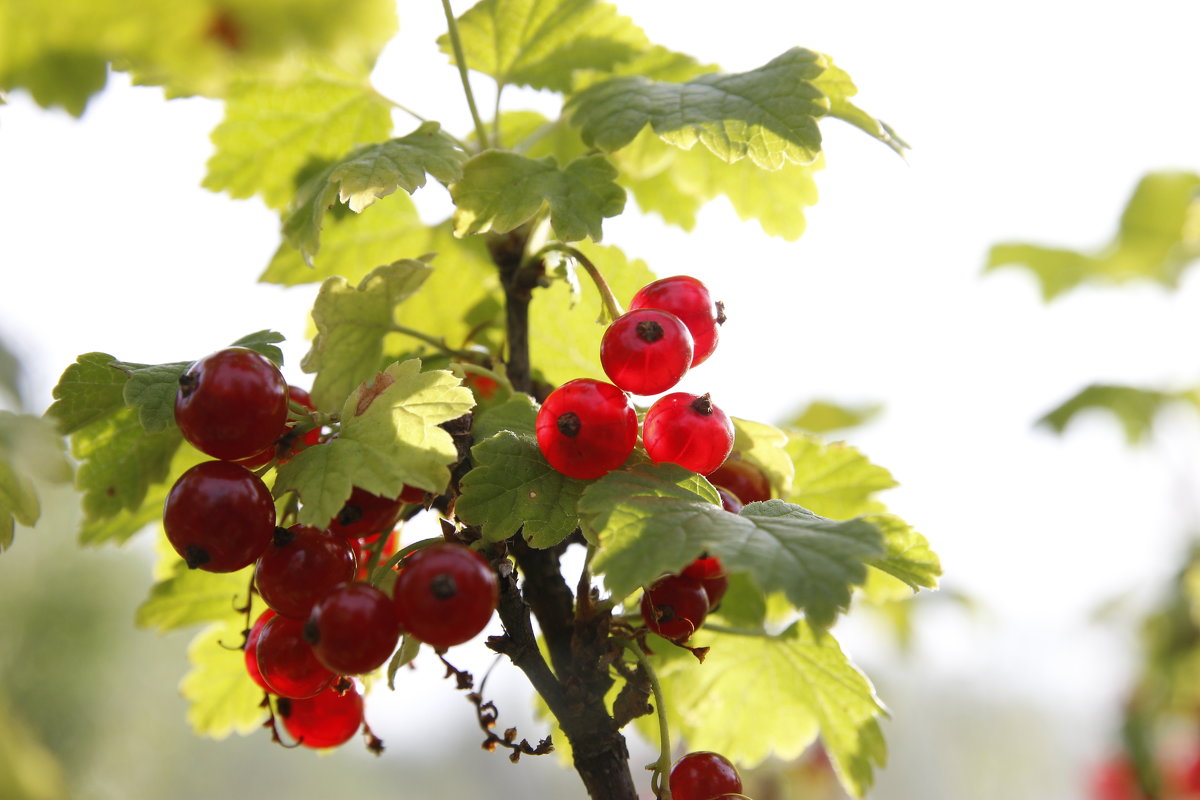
{"type": "Point", "coordinates": [251, 648]}
{"type": "Point", "coordinates": [365, 514]}
{"type": "Point", "coordinates": [287, 662]}
{"type": "Point", "coordinates": [288, 440]}
{"type": "Point", "coordinates": [300, 566]}
{"type": "Point", "coordinates": [586, 428]}
{"type": "Point", "coordinates": [711, 573]}
{"type": "Point", "coordinates": [646, 351]}
{"type": "Point", "coordinates": [704, 776]}
{"type": "Point", "coordinates": [219, 517]}
{"type": "Point", "coordinates": [742, 478]}
{"type": "Point", "coordinates": [675, 606]}
{"type": "Point", "coordinates": [687, 430]}
{"type": "Point", "coordinates": [232, 404]}
{"type": "Point", "coordinates": [353, 629]}
{"type": "Point", "coordinates": [445, 594]}
{"type": "Point", "coordinates": [325, 720]}
{"type": "Point", "coordinates": [688, 299]}
{"type": "Point", "coordinates": [728, 501]}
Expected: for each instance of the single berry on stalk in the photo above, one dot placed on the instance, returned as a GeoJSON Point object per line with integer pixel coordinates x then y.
{"type": "Point", "coordinates": [704, 775]}
{"type": "Point", "coordinates": [445, 594]}
{"type": "Point", "coordinates": [586, 428]}
{"type": "Point", "coordinates": [646, 351]}
{"type": "Point", "coordinates": [219, 517]}
{"type": "Point", "coordinates": [232, 404]}
{"type": "Point", "coordinates": [365, 514]}
{"type": "Point", "coordinates": [353, 629]}
{"type": "Point", "coordinates": [711, 573]}
{"type": "Point", "coordinates": [687, 430]}
{"type": "Point", "coordinates": [688, 299]}
{"type": "Point", "coordinates": [747, 482]}
{"type": "Point", "coordinates": [325, 720]}
{"type": "Point", "coordinates": [300, 566]}
{"type": "Point", "coordinates": [675, 606]}
{"type": "Point", "coordinates": [286, 660]}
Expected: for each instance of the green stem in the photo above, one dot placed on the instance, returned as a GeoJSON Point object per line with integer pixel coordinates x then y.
{"type": "Point", "coordinates": [400, 555]}
{"type": "Point", "coordinates": [662, 768]}
{"type": "Point", "coordinates": [472, 356]}
{"type": "Point", "coordinates": [461, 61]}
{"type": "Point", "coordinates": [476, 369]}
{"type": "Point", "coordinates": [611, 305]}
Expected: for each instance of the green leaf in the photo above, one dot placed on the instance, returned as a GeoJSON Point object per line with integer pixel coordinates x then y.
{"type": "Point", "coordinates": [764, 446]}
{"type": "Point", "coordinates": [352, 322]}
{"type": "Point", "coordinates": [191, 596]}
{"type": "Point", "coordinates": [834, 82]}
{"type": "Point", "coordinates": [500, 190]}
{"type": "Point", "coordinates": [88, 391]}
{"type": "Point", "coordinates": [390, 437]}
{"type": "Point", "coordinates": [222, 699]}
{"type": "Point", "coordinates": [835, 479]}
{"type": "Point", "coordinates": [517, 414]}
{"type": "Point", "coordinates": [757, 696]}
{"type": "Point", "coordinates": [512, 487]}
{"type": "Point", "coordinates": [410, 646]}
{"type": "Point", "coordinates": [263, 342]}
{"type": "Point", "coordinates": [907, 555]}
{"type": "Point", "coordinates": [541, 43]}
{"type": "Point", "coordinates": [30, 449]}
{"type": "Point", "coordinates": [1158, 238]}
{"type": "Point", "coordinates": [1134, 408]}
{"type": "Point", "coordinates": [822, 416]}
{"type": "Point", "coordinates": [151, 390]}
{"type": "Point", "coordinates": [10, 375]}
{"type": "Point", "coordinates": [275, 130]}
{"type": "Point", "coordinates": [768, 114]}
{"type": "Point", "coordinates": [653, 519]}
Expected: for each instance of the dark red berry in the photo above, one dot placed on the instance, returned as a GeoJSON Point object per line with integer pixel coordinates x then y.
{"type": "Point", "coordinates": [742, 478]}
{"type": "Point", "coordinates": [482, 385]}
{"type": "Point", "coordinates": [286, 660]}
{"type": "Point", "coordinates": [364, 546]}
{"type": "Point", "coordinates": [301, 566]}
{"type": "Point", "coordinates": [728, 501]}
{"type": "Point", "coordinates": [703, 776]}
{"type": "Point", "coordinates": [675, 606]}
{"type": "Point", "coordinates": [688, 299]}
{"type": "Point", "coordinates": [445, 594]}
{"type": "Point", "coordinates": [586, 428]}
{"type": "Point", "coordinates": [232, 404]}
{"type": "Point", "coordinates": [711, 573]}
{"type": "Point", "coordinates": [251, 648]}
{"type": "Point", "coordinates": [365, 514]}
{"type": "Point", "coordinates": [412, 494]}
{"type": "Point", "coordinates": [646, 351]}
{"type": "Point", "coordinates": [325, 720]}
{"type": "Point", "coordinates": [353, 629]}
{"type": "Point", "coordinates": [219, 517]}
{"type": "Point", "coordinates": [687, 430]}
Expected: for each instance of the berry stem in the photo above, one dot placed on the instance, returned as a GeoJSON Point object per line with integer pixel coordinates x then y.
{"type": "Point", "coordinates": [611, 306]}
{"type": "Point", "coordinates": [401, 554]}
{"type": "Point", "coordinates": [461, 61]}
{"type": "Point", "coordinates": [659, 783]}
{"type": "Point", "coordinates": [482, 371]}
{"type": "Point", "coordinates": [472, 356]}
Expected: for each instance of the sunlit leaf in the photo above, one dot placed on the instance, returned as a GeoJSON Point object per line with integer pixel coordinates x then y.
{"type": "Point", "coordinates": [30, 449]}
{"type": "Point", "coordinates": [835, 479]}
{"type": "Point", "coordinates": [222, 698]}
{"type": "Point", "coordinates": [1134, 408]}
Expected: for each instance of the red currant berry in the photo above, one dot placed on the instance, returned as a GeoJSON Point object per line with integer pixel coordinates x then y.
{"type": "Point", "coordinates": [412, 494]}
{"type": "Point", "coordinates": [728, 501]}
{"type": "Point", "coordinates": [687, 430]}
{"type": "Point", "coordinates": [301, 566]}
{"type": "Point", "coordinates": [219, 517]}
{"type": "Point", "coordinates": [232, 404]}
{"type": "Point", "coordinates": [288, 441]}
{"type": "Point", "coordinates": [445, 594]}
{"type": "Point", "coordinates": [711, 573]}
{"type": "Point", "coordinates": [353, 629]}
{"type": "Point", "coordinates": [482, 385]}
{"type": "Point", "coordinates": [646, 351]}
{"type": "Point", "coordinates": [704, 776]}
{"type": "Point", "coordinates": [586, 428]}
{"type": "Point", "coordinates": [688, 299]}
{"type": "Point", "coordinates": [251, 648]}
{"type": "Point", "coordinates": [365, 514]}
{"type": "Point", "coordinates": [742, 478]}
{"type": "Point", "coordinates": [324, 720]}
{"type": "Point", "coordinates": [675, 606]}
{"type": "Point", "coordinates": [287, 662]}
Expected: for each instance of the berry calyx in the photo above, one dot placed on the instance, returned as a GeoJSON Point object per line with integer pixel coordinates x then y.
{"type": "Point", "coordinates": [689, 431]}
{"type": "Point", "coordinates": [219, 516]}
{"type": "Point", "coordinates": [300, 566]}
{"type": "Point", "coordinates": [646, 351]}
{"type": "Point", "coordinates": [251, 648]}
{"type": "Point", "coordinates": [747, 482]}
{"type": "Point", "coordinates": [688, 299]}
{"type": "Point", "coordinates": [327, 719]}
{"type": "Point", "coordinates": [704, 775]}
{"type": "Point", "coordinates": [445, 594]}
{"type": "Point", "coordinates": [365, 514]}
{"type": "Point", "coordinates": [711, 573]}
{"type": "Point", "coordinates": [675, 606]}
{"type": "Point", "coordinates": [232, 404]}
{"type": "Point", "coordinates": [286, 661]}
{"type": "Point", "coordinates": [586, 428]}
{"type": "Point", "coordinates": [353, 629]}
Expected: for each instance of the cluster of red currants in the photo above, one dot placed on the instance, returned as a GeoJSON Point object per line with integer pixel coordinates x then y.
{"type": "Point", "coordinates": [324, 621]}
{"type": "Point", "coordinates": [704, 775]}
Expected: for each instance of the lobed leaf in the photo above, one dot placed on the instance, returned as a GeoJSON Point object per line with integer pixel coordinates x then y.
{"type": "Point", "coordinates": [517, 414]}
{"type": "Point", "coordinates": [1134, 408]}
{"type": "Point", "coordinates": [907, 555]}
{"type": "Point", "coordinates": [88, 391]}
{"type": "Point", "coordinates": [835, 83]}
{"type": "Point", "coordinates": [501, 190]}
{"type": "Point", "coordinates": [222, 698]}
{"type": "Point", "coordinates": [263, 342]}
{"type": "Point", "coordinates": [30, 449]}
{"type": "Point", "coordinates": [835, 479]}
{"type": "Point", "coordinates": [151, 390]}
{"type": "Point", "coordinates": [191, 596]}
{"type": "Point", "coordinates": [378, 170]}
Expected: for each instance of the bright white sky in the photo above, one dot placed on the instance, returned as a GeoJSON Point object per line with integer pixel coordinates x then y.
{"type": "Point", "coordinates": [1028, 120]}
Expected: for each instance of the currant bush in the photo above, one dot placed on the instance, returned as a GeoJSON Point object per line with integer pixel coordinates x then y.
{"type": "Point", "coordinates": [232, 404]}
{"type": "Point", "coordinates": [219, 517]}
{"type": "Point", "coordinates": [445, 594]}
{"type": "Point", "coordinates": [689, 431]}
{"type": "Point", "coordinates": [587, 428]}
